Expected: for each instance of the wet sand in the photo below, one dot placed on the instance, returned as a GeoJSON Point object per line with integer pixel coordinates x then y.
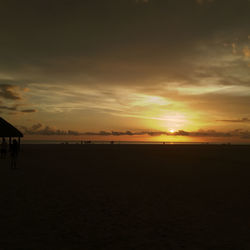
{"type": "Point", "coordinates": [126, 197]}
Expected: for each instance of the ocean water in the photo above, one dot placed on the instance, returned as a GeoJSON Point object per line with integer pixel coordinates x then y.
{"type": "Point", "coordinates": [126, 142]}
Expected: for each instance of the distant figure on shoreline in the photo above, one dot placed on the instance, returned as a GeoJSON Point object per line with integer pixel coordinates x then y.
{"type": "Point", "coordinates": [87, 142]}
{"type": "Point", "coordinates": [14, 149]}
{"type": "Point", "coordinates": [4, 147]}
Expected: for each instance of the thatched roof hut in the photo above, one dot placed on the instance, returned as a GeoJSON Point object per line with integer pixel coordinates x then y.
{"type": "Point", "coordinates": [7, 130]}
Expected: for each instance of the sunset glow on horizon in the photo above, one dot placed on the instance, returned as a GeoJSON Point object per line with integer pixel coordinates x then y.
{"type": "Point", "coordinates": [131, 70]}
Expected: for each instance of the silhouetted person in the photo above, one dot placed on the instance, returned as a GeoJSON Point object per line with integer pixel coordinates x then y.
{"type": "Point", "coordinates": [14, 149]}
{"type": "Point", "coordinates": [4, 147]}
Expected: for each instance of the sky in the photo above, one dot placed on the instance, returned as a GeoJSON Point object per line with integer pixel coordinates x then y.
{"type": "Point", "coordinates": [126, 69]}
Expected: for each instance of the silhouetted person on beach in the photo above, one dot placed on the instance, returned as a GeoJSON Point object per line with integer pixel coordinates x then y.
{"type": "Point", "coordinates": [4, 147]}
{"type": "Point", "coordinates": [14, 149]}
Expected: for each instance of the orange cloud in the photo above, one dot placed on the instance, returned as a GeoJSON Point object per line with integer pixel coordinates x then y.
{"type": "Point", "coordinates": [246, 52]}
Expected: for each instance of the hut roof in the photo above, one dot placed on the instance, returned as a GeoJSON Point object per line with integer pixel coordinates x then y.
{"type": "Point", "coordinates": [7, 130]}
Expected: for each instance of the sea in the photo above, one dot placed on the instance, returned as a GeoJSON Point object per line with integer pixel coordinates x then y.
{"type": "Point", "coordinates": [129, 142]}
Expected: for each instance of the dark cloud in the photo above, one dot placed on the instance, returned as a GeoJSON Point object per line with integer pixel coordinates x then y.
{"type": "Point", "coordinates": [13, 108]}
{"type": "Point", "coordinates": [142, 1]}
{"type": "Point", "coordinates": [204, 1]}
{"type": "Point", "coordinates": [39, 129]}
{"type": "Point", "coordinates": [116, 41]}
{"type": "Point", "coordinates": [9, 92]}
{"type": "Point", "coordinates": [236, 120]}
{"type": "Point", "coordinates": [37, 126]}
{"type": "Point", "coordinates": [29, 110]}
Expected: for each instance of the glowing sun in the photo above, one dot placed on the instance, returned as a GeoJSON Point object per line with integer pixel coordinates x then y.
{"type": "Point", "coordinates": [171, 130]}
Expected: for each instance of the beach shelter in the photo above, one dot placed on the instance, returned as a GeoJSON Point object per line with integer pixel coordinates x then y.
{"type": "Point", "coordinates": [9, 131]}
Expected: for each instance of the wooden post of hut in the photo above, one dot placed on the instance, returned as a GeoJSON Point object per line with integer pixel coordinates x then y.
{"type": "Point", "coordinates": [19, 143]}
{"type": "Point", "coordinates": [9, 143]}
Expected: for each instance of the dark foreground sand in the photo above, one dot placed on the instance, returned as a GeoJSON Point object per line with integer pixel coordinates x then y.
{"type": "Point", "coordinates": [126, 197]}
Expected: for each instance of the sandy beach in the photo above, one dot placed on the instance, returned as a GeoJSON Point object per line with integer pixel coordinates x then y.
{"type": "Point", "coordinates": [126, 197]}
